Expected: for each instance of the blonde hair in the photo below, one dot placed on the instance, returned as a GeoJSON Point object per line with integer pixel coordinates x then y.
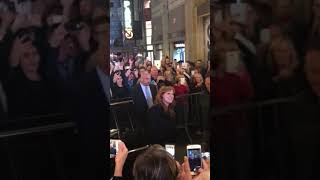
{"type": "Point", "coordinates": [159, 100]}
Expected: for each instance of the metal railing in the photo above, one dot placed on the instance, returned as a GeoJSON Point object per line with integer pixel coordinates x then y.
{"type": "Point", "coordinates": [266, 120]}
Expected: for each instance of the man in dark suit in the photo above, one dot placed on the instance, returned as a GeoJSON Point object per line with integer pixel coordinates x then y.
{"type": "Point", "coordinates": [143, 95]}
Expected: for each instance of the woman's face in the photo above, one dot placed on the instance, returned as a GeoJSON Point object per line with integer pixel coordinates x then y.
{"type": "Point", "coordinates": [168, 97]}
{"type": "Point", "coordinates": [30, 59]}
{"type": "Point", "coordinates": [119, 81]}
{"type": "Point", "coordinates": [197, 78]}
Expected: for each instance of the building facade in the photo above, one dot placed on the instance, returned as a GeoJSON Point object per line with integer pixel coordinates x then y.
{"type": "Point", "coordinates": [180, 29]}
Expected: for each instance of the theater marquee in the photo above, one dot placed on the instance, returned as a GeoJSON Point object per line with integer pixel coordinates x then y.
{"type": "Point", "coordinates": [128, 30]}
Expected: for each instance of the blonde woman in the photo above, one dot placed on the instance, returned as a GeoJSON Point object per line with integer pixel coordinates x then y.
{"type": "Point", "coordinates": [161, 117]}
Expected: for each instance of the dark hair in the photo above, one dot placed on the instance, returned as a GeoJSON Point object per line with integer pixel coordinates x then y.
{"type": "Point", "coordinates": [155, 164]}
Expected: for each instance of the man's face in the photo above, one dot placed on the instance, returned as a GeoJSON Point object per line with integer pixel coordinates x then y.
{"type": "Point", "coordinates": [145, 78]}
{"type": "Point", "coordinates": [312, 70]}
{"type": "Point", "coordinates": [154, 72]}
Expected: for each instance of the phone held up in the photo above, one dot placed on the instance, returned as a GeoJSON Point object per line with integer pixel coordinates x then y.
{"type": "Point", "coordinates": [114, 147]}
{"type": "Point", "coordinates": [194, 156]}
{"type": "Point", "coordinates": [170, 148]}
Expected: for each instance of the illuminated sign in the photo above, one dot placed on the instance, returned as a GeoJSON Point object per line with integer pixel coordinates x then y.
{"type": "Point", "coordinates": [179, 45]}
{"type": "Point", "coordinates": [128, 31]}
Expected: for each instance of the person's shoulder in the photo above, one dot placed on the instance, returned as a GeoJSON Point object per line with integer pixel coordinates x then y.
{"type": "Point", "coordinates": [155, 108]}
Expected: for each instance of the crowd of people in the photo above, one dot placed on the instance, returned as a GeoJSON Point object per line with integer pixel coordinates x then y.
{"type": "Point", "coordinates": [44, 47]}
{"type": "Point", "coordinates": [188, 77]}
{"type": "Point", "coordinates": [264, 50]}
{"type": "Point", "coordinates": [159, 94]}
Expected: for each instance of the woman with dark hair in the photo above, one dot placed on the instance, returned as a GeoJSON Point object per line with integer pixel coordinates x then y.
{"type": "Point", "coordinates": [29, 93]}
{"type": "Point", "coordinates": [161, 117]}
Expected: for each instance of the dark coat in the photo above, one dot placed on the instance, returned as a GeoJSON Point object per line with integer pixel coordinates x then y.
{"type": "Point", "coordinates": [91, 114]}
{"type": "Point", "coordinates": [161, 128]}
{"type": "Point", "coordinates": [140, 103]}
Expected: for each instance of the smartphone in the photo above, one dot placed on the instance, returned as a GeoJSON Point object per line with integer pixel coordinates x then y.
{"type": "Point", "coordinates": [192, 72]}
{"type": "Point", "coordinates": [232, 61]}
{"type": "Point", "coordinates": [194, 157]}
{"type": "Point", "coordinates": [114, 147]}
{"type": "Point", "coordinates": [265, 35]}
{"type": "Point", "coordinates": [170, 148]}
{"type": "Point", "coordinates": [127, 67]}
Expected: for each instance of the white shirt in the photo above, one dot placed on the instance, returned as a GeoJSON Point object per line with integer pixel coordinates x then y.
{"type": "Point", "coordinates": [144, 88]}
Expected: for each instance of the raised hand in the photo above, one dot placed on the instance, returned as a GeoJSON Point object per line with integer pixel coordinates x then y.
{"type": "Point", "coordinates": [18, 48]}
{"type": "Point", "coordinates": [120, 159]}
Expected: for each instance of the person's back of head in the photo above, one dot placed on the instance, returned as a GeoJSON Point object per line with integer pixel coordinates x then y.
{"type": "Point", "coordinates": [155, 164]}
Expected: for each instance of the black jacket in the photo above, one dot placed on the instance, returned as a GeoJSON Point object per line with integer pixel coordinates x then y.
{"type": "Point", "coordinates": [161, 128]}
{"type": "Point", "coordinates": [91, 114]}
{"type": "Point", "coordinates": [140, 102]}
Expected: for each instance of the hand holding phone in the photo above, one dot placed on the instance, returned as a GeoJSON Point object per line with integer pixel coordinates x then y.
{"type": "Point", "coordinates": [194, 158]}
{"type": "Point", "coordinates": [114, 147]}
{"type": "Point", "coordinates": [120, 158]}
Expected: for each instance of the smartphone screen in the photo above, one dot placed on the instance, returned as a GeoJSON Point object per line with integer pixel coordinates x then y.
{"type": "Point", "coordinates": [170, 148]}
{"type": "Point", "coordinates": [194, 156]}
{"type": "Point", "coordinates": [114, 147]}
